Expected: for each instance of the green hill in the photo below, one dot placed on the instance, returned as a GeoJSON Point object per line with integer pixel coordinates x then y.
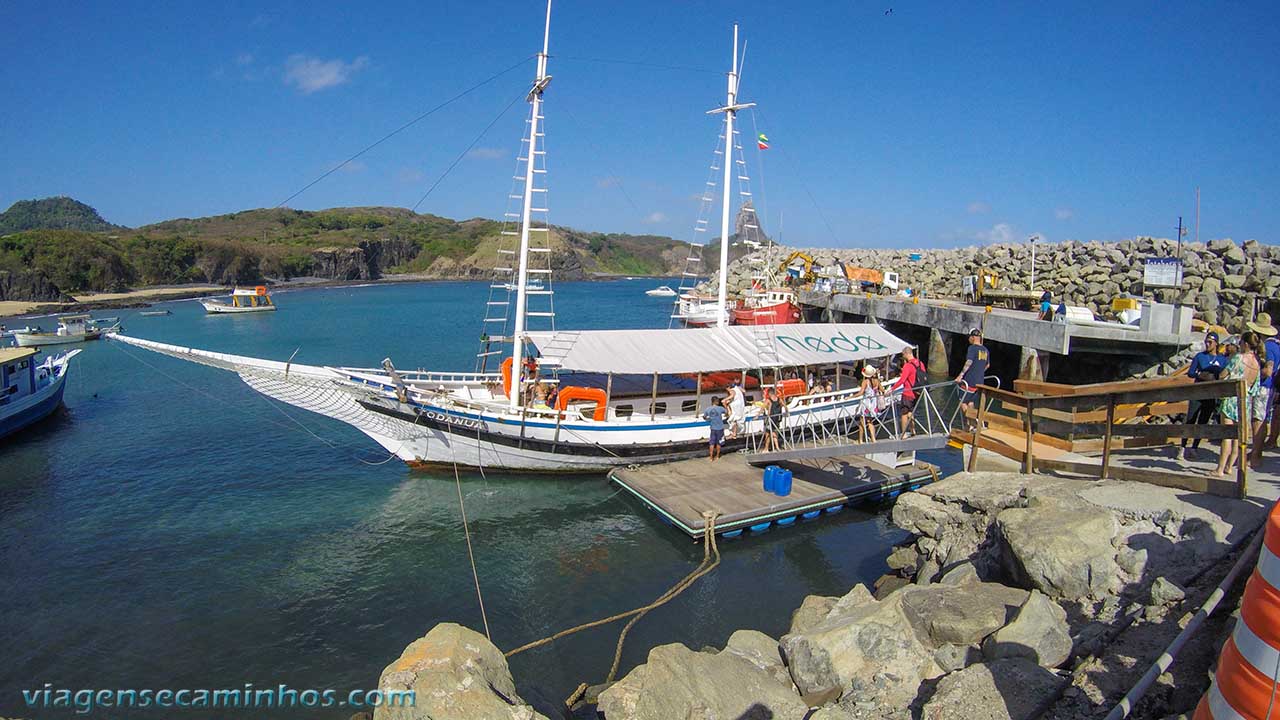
{"type": "Point", "coordinates": [340, 243]}
{"type": "Point", "coordinates": [55, 213]}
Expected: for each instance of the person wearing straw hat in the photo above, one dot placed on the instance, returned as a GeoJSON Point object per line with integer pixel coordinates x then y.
{"type": "Point", "coordinates": [869, 407]}
{"type": "Point", "coordinates": [1271, 345]}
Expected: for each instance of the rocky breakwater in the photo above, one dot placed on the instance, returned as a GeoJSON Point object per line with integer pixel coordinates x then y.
{"type": "Point", "coordinates": [1221, 279]}
{"type": "Point", "coordinates": [1017, 597]}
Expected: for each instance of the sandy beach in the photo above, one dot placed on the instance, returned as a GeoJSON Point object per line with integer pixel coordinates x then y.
{"type": "Point", "coordinates": [12, 308]}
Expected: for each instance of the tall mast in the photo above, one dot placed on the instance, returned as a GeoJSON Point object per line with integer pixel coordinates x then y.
{"type": "Point", "coordinates": [535, 99]}
{"type": "Point", "coordinates": [730, 111]}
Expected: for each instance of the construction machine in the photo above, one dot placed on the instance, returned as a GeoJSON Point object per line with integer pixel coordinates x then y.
{"type": "Point", "coordinates": [984, 289]}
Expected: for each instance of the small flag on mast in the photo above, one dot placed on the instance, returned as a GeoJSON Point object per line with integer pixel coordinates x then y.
{"type": "Point", "coordinates": [763, 142]}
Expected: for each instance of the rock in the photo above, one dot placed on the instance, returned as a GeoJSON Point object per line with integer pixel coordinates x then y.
{"type": "Point", "coordinates": [31, 285]}
{"type": "Point", "coordinates": [1234, 255]}
{"type": "Point", "coordinates": [1007, 689]}
{"type": "Point", "coordinates": [888, 584]}
{"type": "Point", "coordinates": [956, 657]}
{"type": "Point", "coordinates": [1233, 281]}
{"type": "Point", "coordinates": [1211, 285]}
{"type": "Point", "coordinates": [676, 682]}
{"type": "Point", "coordinates": [761, 651]}
{"type": "Point", "coordinates": [1165, 592]}
{"type": "Point", "coordinates": [811, 612]}
{"type": "Point", "coordinates": [456, 674]}
{"type": "Point", "coordinates": [1132, 561]}
{"type": "Point", "coordinates": [1038, 633]}
{"type": "Point", "coordinates": [903, 558]}
{"type": "Point", "coordinates": [874, 638]}
{"type": "Point", "coordinates": [1062, 548]}
{"type": "Point", "coordinates": [961, 615]}
{"type": "Point", "coordinates": [961, 574]}
{"type": "Point", "coordinates": [857, 597]}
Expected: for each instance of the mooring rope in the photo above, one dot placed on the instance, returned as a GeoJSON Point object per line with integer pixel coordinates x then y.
{"type": "Point", "coordinates": [466, 532]}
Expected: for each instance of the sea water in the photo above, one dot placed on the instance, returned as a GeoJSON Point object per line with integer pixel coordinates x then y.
{"type": "Point", "coordinates": [174, 529]}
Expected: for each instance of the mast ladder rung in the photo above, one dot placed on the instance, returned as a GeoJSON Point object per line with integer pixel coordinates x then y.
{"type": "Point", "coordinates": [516, 197]}
{"type": "Point", "coordinates": [511, 215]}
{"type": "Point", "coordinates": [741, 162]}
{"type": "Point", "coordinates": [707, 199]}
{"type": "Point", "coordinates": [694, 259]}
{"type": "Point", "coordinates": [509, 232]}
{"type": "Point", "coordinates": [719, 152]}
{"type": "Point", "coordinates": [540, 271]}
{"type": "Point", "coordinates": [744, 193]}
{"type": "Point", "coordinates": [539, 230]}
{"type": "Point", "coordinates": [686, 274]}
{"type": "Point", "coordinates": [491, 352]}
{"type": "Point", "coordinates": [711, 184]}
{"type": "Point", "coordinates": [498, 302]}
{"type": "Point", "coordinates": [501, 320]}
{"type": "Point", "coordinates": [542, 250]}
{"type": "Point", "coordinates": [539, 292]}
{"type": "Point", "coordinates": [539, 152]}
{"type": "Point", "coordinates": [749, 209]}
{"type": "Point", "coordinates": [535, 172]}
{"type": "Point", "coordinates": [502, 269]}
{"type": "Point", "coordinates": [534, 210]}
{"type": "Point", "coordinates": [540, 314]}
{"type": "Point", "coordinates": [699, 229]}
{"type": "Point", "coordinates": [743, 177]}
{"type": "Point", "coordinates": [537, 189]}
{"type": "Point", "coordinates": [753, 227]}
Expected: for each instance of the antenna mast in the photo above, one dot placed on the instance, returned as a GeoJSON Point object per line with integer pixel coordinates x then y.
{"type": "Point", "coordinates": [517, 335]}
{"type": "Point", "coordinates": [730, 111]}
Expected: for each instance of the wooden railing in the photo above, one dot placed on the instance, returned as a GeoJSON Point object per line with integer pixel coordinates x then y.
{"type": "Point", "coordinates": [1110, 411]}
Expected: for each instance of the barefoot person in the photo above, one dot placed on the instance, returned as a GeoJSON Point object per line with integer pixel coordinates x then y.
{"type": "Point", "coordinates": [774, 409]}
{"type": "Point", "coordinates": [715, 416]}
{"type": "Point", "coordinates": [1241, 365]}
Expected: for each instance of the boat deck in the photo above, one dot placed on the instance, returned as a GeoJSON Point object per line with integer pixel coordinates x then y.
{"type": "Point", "coordinates": [682, 490]}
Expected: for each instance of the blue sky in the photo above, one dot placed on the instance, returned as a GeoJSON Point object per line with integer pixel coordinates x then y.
{"type": "Point", "coordinates": [938, 124]}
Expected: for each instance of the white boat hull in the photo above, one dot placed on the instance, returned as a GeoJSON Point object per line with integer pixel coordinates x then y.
{"type": "Point", "coordinates": [44, 339]}
{"type": "Point", "coordinates": [215, 308]}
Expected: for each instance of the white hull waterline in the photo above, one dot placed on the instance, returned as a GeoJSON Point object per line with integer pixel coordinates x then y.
{"type": "Point", "coordinates": [217, 308]}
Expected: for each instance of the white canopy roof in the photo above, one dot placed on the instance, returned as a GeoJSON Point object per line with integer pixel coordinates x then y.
{"type": "Point", "coordinates": [714, 349]}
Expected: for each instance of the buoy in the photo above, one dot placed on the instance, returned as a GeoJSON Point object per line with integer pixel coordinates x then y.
{"type": "Point", "coordinates": [811, 514]}
{"type": "Point", "coordinates": [761, 527]}
{"type": "Point", "coordinates": [834, 509]}
{"type": "Point", "coordinates": [1247, 667]}
{"type": "Point", "coordinates": [733, 533]}
{"type": "Point", "coordinates": [786, 520]}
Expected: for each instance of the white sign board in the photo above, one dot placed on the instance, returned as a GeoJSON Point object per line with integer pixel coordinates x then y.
{"type": "Point", "coordinates": [1162, 272]}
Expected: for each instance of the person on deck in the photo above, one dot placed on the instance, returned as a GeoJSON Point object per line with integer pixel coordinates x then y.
{"type": "Point", "coordinates": [869, 407]}
{"type": "Point", "coordinates": [737, 409]}
{"type": "Point", "coordinates": [715, 416]}
{"type": "Point", "coordinates": [774, 409]}
{"type": "Point", "coordinates": [1046, 306]}
{"type": "Point", "coordinates": [974, 372]}
{"type": "Point", "coordinates": [1207, 365]}
{"type": "Point", "coordinates": [1241, 365]}
{"type": "Point", "coordinates": [911, 377]}
{"type": "Point", "coordinates": [1270, 356]}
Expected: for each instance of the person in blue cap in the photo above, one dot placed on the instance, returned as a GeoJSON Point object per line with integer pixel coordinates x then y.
{"type": "Point", "coordinates": [1207, 365]}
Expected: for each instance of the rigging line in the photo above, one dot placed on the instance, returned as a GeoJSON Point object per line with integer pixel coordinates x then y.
{"type": "Point", "coordinates": [462, 509]}
{"type": "Point", "coordinates": [406, 126]}
{"type": "Point", "coordinates": [804, 185]}
{"type": "Point", "coordinates": [637, 63]}
{"type": "Point", "coordinates": [463, 154]}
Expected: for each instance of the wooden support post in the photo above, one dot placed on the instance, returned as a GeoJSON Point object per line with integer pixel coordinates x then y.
{"type": "Point", "coordinates": [977, 429]}
{"type": "Point", "coordinates": [653, 396]}
{"type": "Point", "coordinates": [1028, 426]}
{"type": "Point", "coordinates": [608, 393]}
{"type": "Point", "coordinates": [1106, 436]}
{"type": "Point", "coordinates": [1245, 413]}
{"type": "Point", "coordinates": [697, 397]}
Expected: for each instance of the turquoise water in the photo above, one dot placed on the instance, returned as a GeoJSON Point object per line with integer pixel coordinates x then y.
{"type": "Point", "coordinates": [175, 529]}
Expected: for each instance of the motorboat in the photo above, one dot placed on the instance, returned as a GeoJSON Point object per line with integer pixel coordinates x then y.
{"type": "Point", "coordinates": [30, 391]}
{"type": "Point", "coordinates": [770, 307]}
{"type": "Point", "coordinates": [154, 313]}
{"type": "Point", "coordinates": [661, 291]}
{"type": "Point", "coordinates": [241, 301]}
{"type": "Point", "coordinates": [71, 329]}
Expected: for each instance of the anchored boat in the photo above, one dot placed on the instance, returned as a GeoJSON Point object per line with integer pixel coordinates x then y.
{"type": "Point", "coordinates": [71, 329]}
{"type": "Point", "coordinates": [30, 391]}
{"type": "Point", "coordinates": [549, 399]}
{"type": "Point", "coordinates": [241, 301]}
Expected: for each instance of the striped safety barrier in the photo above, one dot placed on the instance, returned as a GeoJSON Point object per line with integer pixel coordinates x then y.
{"type": "Point", "coordinates": [1246, 683]}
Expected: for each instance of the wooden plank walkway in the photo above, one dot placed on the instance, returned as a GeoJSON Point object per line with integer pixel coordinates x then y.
{"type": "Point", "coordinates": [680, 491]}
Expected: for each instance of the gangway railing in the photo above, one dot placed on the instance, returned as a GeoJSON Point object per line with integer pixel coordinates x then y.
{"type": "Point", "coordinates": [859, 426]}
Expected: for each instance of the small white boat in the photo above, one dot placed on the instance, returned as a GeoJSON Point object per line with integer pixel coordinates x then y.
{"type": "Point", "coordinates": [661, 291]}
{"type": "Point", "coordinates": [29, 392]}
{"type": "Point", "coordinates": [530, 285]}
{"type": "Point", "coordinates": [154, 313]}
{"type": "Point", "coordinates": [71, 329]}
{"type": "Point", "coordinates": [242, 301]}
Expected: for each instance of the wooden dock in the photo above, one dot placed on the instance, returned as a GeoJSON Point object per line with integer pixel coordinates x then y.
{"type": "Point", "coordinates": [681, 491]}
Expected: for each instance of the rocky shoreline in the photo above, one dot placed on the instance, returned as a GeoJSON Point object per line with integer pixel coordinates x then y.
{"type": "Point", "coordinates": [1222, 280]}
{"type": "Point", "coordinates": [1018, 596]}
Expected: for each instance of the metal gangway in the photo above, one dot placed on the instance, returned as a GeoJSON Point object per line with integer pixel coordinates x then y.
{"type": "Point", "coordinates": [875, 426]}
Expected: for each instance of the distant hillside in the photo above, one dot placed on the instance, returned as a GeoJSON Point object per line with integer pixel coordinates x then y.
{"type": "Point", "coordinates": [339, 243]}
{"type": "Point", "coordinates": [55, 213]}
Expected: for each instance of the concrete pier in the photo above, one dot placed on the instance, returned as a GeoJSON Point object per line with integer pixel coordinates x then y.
{"type": "Point", "coordinates": [1033, 365]}
{"type": "Point", "coordinates": [939, 359]}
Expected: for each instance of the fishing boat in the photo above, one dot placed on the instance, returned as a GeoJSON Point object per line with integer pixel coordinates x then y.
{"type": "Point", "coordinates": [769, 307]}
{"type": "Point", "coordinates": [661, 291]}
{"type": "Point", "coordinates": [531, 285]}
{"type": "Point", "coordinates": [71, 329]}
{"type": "Point", "coordinates": [697, 310]}
{"type": "Point", "coordinates": [241, 301]}
{"type": "Point", "coordinates": [542, 398]}
{"type": "Point", "coordinates": [30, 391]}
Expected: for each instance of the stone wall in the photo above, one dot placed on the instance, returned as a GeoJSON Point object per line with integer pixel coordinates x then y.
{"type": "Point", "coordinates": [1222, 279]}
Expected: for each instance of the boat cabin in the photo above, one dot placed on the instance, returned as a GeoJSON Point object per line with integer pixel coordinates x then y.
{"type": "Point", "coordinates": [17, 373]}
{"type": "Point", "coordinates": [256, 297]}
{"type": "Point", "coordinates": [74, 324]}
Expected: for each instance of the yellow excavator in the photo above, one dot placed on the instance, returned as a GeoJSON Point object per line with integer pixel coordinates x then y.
{"type": "Point", "coordinates": [806, 274]}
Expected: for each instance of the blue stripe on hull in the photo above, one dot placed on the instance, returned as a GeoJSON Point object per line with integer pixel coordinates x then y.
{"type": "Point", "coordinates": [35, 413]}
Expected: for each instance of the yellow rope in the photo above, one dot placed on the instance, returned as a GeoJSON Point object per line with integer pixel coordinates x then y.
{"type": "Point", "coordinates": [462, 509]}
{"type": "Point", "coordinates": [709, 544]}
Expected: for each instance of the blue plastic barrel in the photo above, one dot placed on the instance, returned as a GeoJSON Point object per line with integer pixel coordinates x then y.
{"type": "Point", "coordinates": [786, 520]}
{"type": "Point", "coordinates": [733, 533]}
{"type": "Point", "coordinates": [811, 514]}
{"type": "Point", "coordinates": [782, 483]}
{"type": "Point", "coordinates": [761, 527]}
{"type": "Point", "coordinates": [771, 478]}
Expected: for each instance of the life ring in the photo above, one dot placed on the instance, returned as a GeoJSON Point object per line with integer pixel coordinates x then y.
{"type": "Point", "coordinates": [260, 290]}
{"type": "Point", "coordinates": [573, 392]}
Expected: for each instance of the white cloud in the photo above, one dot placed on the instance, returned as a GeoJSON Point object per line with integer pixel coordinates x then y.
{"type": "Point", "coordinates": [311, 74]}
{"type": "Point", "coordinates": [486, 153]}
{"type": "Point", "coordinates": [655, 217]}
{"type": "Point", "coordinates": [1000, 233]}
{"type": "Point", "coordinates": [1063, 213]}
{"type": "Point", "coordinates": [978, 207]}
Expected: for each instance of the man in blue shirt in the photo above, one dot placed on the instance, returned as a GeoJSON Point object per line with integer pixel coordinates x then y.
{"type": "Point", "coordinates": [974, 370]}
{"type": "Point", "coordinates": [715, 416]}
{"type": "Point", "coordinates": [1206, 365]}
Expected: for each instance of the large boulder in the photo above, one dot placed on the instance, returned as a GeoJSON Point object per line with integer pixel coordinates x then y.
{"type": "Point", "coordinates": [676, 682]}
{"type": "Point", "coordinates": [811, 612]}
{"type": "Point", "coordinates": [1038, 633]}
{"type": "Point", "coordinates": [873, 637]}
{"type": "Point", "coordinates": [1062, 548]}
{"type": "Point", "coordinates": [960, 614]}
{"type": "Point", "coordinates": [760, 650]}
{"type": "Point", "coordinates": [455, 674]}
{"type": "Point", "coordinates": [1008, 689]}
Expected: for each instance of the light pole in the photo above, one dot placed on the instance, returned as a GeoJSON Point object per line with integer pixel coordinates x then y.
{"type": "Point", "coordinates": [1033, 240]}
